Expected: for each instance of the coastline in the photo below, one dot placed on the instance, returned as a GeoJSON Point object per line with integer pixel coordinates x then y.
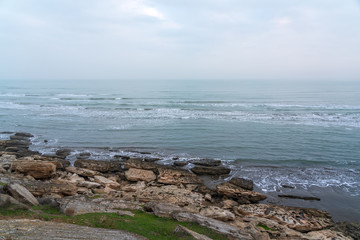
{"type": "Point", "coordinates": [205, 195]}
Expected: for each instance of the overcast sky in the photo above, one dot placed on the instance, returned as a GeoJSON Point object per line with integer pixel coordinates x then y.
{"type": "Point", "coordinates": [180, 39]}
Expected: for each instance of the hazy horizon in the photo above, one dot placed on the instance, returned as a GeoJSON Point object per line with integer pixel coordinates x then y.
{"type": "Point", "coordinates": [172, 40]}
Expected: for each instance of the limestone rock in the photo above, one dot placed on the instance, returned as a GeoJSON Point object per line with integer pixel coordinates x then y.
{"type": "Point", "coordinates": [139, 164]}
{"type": "Point", "coordinates": [139, 186]}
{"type": "Point", "coordinates": [82, 171]}
{"type": "Point", "coordinates": [213, 224]}
{"type": "Point", "coordinates": [107, 182]}
{"type": "Point", "coordinates": [134, 174]}
{"type": "Point", "coordinates": [228, 204]}
{"type": "Point", "coordinates": [242, 196]}
{"type": "Point", "coordinates": [205, 170]}
{"type": "Point", "coordinates": [162, 209]}
{"type": "Point", "coordinates": [243, 183]}
{"type": "Point", "coordinates": [180, 163]}
{"type": "Point", "coordinates": [173, 195]}
{"type": "Point", "coordinates": [177, 176]}
{"type": "Point", "coordinates": [6, 161]}
{"type": "Point", "coordinates": [95, 165]}
{"type": "Point", "coordinates": [6, 201]}
{"type": "Point", "coordinates": [217, 213]}
{"type": "Point", "coordinates": [195, 235]}
{"type": "Point", "coordinates": [62, 188]}
{"type": "Point", "coordinates": [21, 194]}
{"type": "Point", "coordinates": [36, 169]}
{"type": "Point", "coordinates": [89, 185]}
{"type": "Point", "coordinates": [299, 219]}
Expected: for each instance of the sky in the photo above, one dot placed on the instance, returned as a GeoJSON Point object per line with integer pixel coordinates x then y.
{"type": "Point", "coordinates": [180, 39]}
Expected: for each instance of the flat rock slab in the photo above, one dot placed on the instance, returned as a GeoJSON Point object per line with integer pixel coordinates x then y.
{"type": "Point", "coordinates": [36, 229]}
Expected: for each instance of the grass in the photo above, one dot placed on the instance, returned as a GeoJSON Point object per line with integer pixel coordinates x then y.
{"type": "Point", "coordinates": [145, 224]}
{"type": "Point", "coordinates": [2, 184]}
{"type": "Point", "coordinates": [264, 227]}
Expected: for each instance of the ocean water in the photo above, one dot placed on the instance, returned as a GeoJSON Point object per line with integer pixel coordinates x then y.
{"type": "Point", "coordinates": [303, 134]}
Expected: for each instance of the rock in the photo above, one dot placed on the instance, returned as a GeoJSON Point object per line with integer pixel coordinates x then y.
{"type": "Point", "coordinates": [299, 219]}
{"type": "Point", "coordinates": [21, 194]}
{"type": "Point", "coordinates": [173, 195]}
{"type": "Point", "coordinates": [327, 234]}
{"type": "Point", "coordinates": [107, 182]}
{"type": "Point", "coordinates": [287, 186]}
{"type": "Point", "coordinates": [183, 230]}
{"type": "Point", "coordinates": [82, 171]}
{"type": "Point", "coordinates": [177, 176]}
{"type": "Point", "coordinates": [19, 138]}
{"type": "Point", "coordinates": [75, 179]}
{"type": "Point", "coordinates": [217, 213]}
{"type": "Point", "coordinates": [60, 164]}
{"type": "Point", "coordinates": [350, 229]}
{"type": "Point", "coordinates": [36, 169]}
{"type": "Point", "coordinates": [6, 161]}
{"type": "Point", "coordinates": [207, 162]}
{"type": "Point", "coordinates": [180, 163]}
{"type": "Point", "coordinates": [299, 197]}
{"type": "Point", "coordinates": [133, 187]}
{"type": "Point", "coordinates": [81, 205]}
{"type": "Point", "coordinates": [241, 195]}
{"type": "Point", "coordinates": [6, 201]}
{"type": "Point", "coordinates": [24, 134]}
{"type": "Point", "coordinates": [165, 210]}
{"type": "Point", "coordinates": [63, 153]}
{"type": "Point", "coordinates": [135, 175]}
{"type": "Point", "coordinates": [39, 188]}
{"type": "Point", "coordinates": [99, 166]}
{"type": "Point", "coordinates": [88, 185]}
{"type": "Point", "coordinates": [138, 163]}
{"type": "Point", "coordinates": [213, 224]}
{"type": "Point", "coordinates": [243, 183]}
{"type": "Point", "coordinates": [151, 159]}
{"type": "Point", "coordinates": [228, 204]}
{"type": "Point", "coordinates": [216, 171]}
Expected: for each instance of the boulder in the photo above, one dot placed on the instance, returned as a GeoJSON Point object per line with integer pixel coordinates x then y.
{"type": "Point", "coordinates": [24, 134]}
{"type": "Point", "coordinates": [107, 182]}
{"type": "Point", "coordinates": [173, 195]}
{"type": "Point", "coordinates": [99, 166]}
{"type": "Point", "coordinates": [165, 210]}
{"type": "Point", "coordinates": [205, 170]}
{"type": "Point", "coordinates": [134, 175]}
{"type": "Point", "coordinates": [180, 163]}
{"type": "Point", "coordinates": [243, 183]}
{"type": "Point", "coordinates": [299, 219]}
{"type": "Point", "coordinates": [217, 213]}
{"type": "Point", "coordinates": [36, 169]}
{"type": "Point", "coordinates": [82, 171]}
{"type": "Point", "coordinates": [197, 236]}
{"type": "Point", "coordinates": [20, 193]}
{"type": "Point", "coordinates": [40, 188]}
{"type": "Point", "coordinates": [7, 201]}
{"type": "Point", "coordinates": [207, 162]}
{"type": "Point", "coordinates": [6, 161]}
{"type": "Point", "coordinates": [177, 176]}
{"type": "Point", "coordinates": [241, 195]}
{"type": "Point", "coordinates": [63, 153]}
{"type": "Point", "coordinates": [139, 164]}
{"type": "Point", "coordinates": [213, 224]}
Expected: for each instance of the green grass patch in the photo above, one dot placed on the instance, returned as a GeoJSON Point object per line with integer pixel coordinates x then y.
{"type": "Point", "coordinates": [145, 224]}
{"type": "Point", "coordinates": [2, 184]}
{"type": "Point", "coordinates": [264, 227]}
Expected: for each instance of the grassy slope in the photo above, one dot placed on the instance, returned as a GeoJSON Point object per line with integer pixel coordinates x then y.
{"type": "Point", "coordinates": [145, 224]}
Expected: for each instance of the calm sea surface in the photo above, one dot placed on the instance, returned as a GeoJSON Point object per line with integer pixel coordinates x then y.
{"type": "Point", "coordinates": [304, 134]}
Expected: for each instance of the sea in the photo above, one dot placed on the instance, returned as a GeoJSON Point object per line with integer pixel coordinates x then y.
{"type": "Point", "coordinates": [280, 134]}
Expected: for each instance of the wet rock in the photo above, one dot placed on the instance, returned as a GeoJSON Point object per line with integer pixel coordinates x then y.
{"type": "Point", "coordinates": [82, 171]}
{"type": "Point", "coordinates": [24, 134]}
{"type": "Point", "coordinates": [287, 186]}
{"type": "Point", "coordinates": [216, 171]}
{"type": "Point", "coordinates": [180, 163]}
{"type": "Point", "coordinates": [177, 176]}
{"type": "Point", "coordinates": [299, 197]}
{"type": "Point", "coordinates": [183, 230]}
{"type": "Point", "coordinates": [36, 169]}
{"type": "Point", "coordinates": [63, 153]}
{"type": "Point", "coordinates": [134, 174]}
{"type": "Point", "coordinates": [21, 194]}
{"type": "Point", "coordinates": [151, 159]}
{"type": "Point", "coordinates": [217, 213]}
{"type": "Point", "coordinates": [19, 138]}
{"type": "Point", "coordinates": [216, 225]}
{"type": "Point", "coordinates": [350, 229]}
{"type": "Point", "coordinates": [241, 195]}
{"type": "Point", "coordinates": [207, 162]}
{"type": "Point", "coordinates": [243, 183]}
{"type": "Point", "coordinates": [95, 165]}
{"type": "Point", "coordinates": [299, 219]}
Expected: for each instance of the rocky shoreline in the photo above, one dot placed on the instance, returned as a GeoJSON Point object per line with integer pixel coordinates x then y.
{"type": "Point", "coordinates": [230, 207]}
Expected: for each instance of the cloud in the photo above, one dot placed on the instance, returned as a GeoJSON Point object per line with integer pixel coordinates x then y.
{"type": "Point", "coordinates": [283, 21]}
